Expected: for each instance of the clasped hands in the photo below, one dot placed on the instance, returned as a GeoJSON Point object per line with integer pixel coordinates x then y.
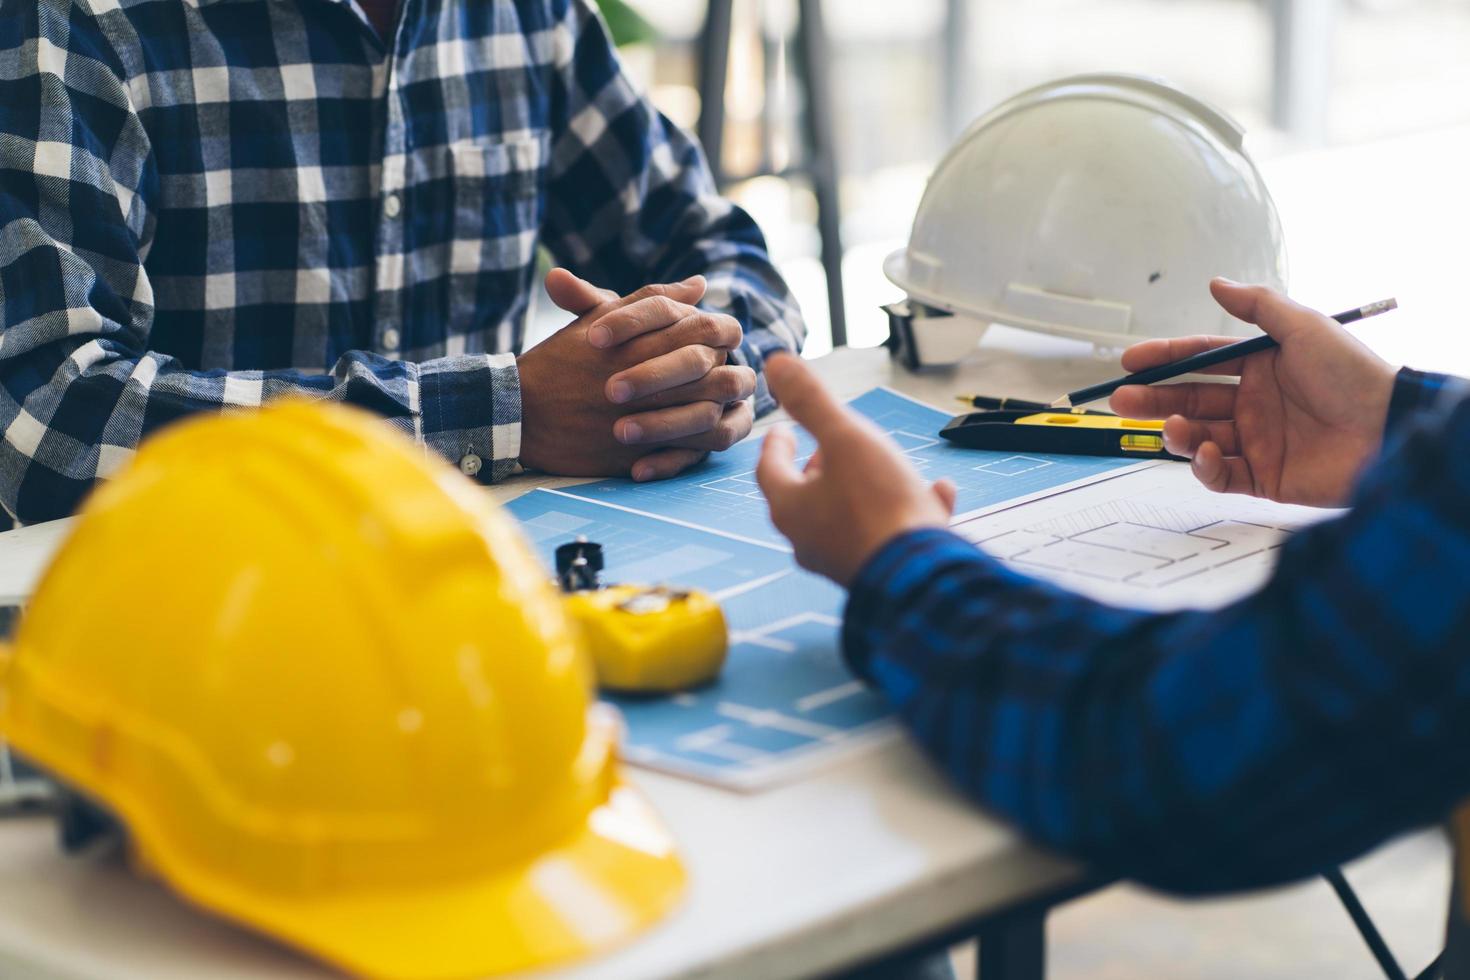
{"type": "Point", "coordinates": [638, 384]}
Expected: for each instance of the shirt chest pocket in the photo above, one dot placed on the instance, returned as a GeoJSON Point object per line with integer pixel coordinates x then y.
{"type": "Point", "coordinates": [498, 205]}
{"type": "Point", "coordinates": [476, 242]}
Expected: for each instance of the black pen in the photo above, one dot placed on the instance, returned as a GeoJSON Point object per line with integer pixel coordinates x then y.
{"type": "Point", "coordinates": [987, 403]}
{"type": "Point", "coordinates": [1209, 358]}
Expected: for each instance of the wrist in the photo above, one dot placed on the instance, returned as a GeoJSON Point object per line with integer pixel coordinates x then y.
{"type": "Point", "coordinates": [529, 452]}
{"type": "Point", "coordinates": [874, 543]}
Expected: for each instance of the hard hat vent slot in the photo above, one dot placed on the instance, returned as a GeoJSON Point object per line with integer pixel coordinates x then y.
{"type": "Point", "coordinates": [1035, 303]}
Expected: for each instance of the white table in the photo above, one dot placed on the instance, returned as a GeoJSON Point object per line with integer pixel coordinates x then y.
{"type": "Point", "coordinates": [872, 854]}
{"type": "Point", "coordinates": [875, 853]}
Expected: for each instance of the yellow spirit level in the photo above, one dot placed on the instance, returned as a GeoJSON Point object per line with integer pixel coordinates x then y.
{"type": "Point", "coordinates": [1059, 432]}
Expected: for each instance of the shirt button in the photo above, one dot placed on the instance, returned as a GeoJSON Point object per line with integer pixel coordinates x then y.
{"type": "Point", "coordinates": [469, 464]}
{"type": "Point", "coordinates": [392, 206]}
{"type": "Point", "coordinates": [390, 339]}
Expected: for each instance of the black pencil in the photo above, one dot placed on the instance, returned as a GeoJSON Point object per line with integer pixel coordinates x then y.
{"type": "Point", "coordinates": [1208, 359]}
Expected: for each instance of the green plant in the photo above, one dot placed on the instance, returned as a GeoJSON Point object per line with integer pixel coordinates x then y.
{"type": "Point", "coordinates": [625, 23]}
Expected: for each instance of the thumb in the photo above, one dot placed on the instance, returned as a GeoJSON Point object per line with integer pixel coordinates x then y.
{"type": "Point", "coordinates": [574, 294]}
{"type": "Point", "coordinates": [946, 491]}
{"type": "Point", "coordinates": [1274, 313]}
{"type": "Point", "coordinates": [688, 291]}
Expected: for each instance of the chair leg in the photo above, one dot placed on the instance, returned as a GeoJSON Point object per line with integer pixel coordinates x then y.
{"type": "Point", "coordinates": [1364, 923]}
{"type": "Point", "coordinates": [816, 70]}
{"type": "Point", "coordinates": [714, 66]}
{"type": "Point", "coordinates": [816, 81]}
{"type": "Point", "coordinates": [1013, 948]}
{"type": "Point", "coordinates": [957, 86]}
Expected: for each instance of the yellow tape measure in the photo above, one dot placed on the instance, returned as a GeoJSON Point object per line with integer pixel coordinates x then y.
{"type": "Point", "coordinates": [642, 639]}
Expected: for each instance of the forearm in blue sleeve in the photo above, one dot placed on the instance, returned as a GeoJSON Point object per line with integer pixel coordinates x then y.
{"type": "Point", "coordinates": [1202, 751]}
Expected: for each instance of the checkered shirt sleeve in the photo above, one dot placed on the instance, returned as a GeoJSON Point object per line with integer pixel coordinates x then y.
{"type": "Point", "coordinates": [208, 205]}
{"type": "Point", "coordinates": [1205, 751]}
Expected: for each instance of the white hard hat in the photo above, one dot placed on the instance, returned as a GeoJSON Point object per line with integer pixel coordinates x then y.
{"type": "Point", "coordinates": [1095, 207]}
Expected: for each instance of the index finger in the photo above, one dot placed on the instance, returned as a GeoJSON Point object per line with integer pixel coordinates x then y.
{"type": "Point", "coordinates": [1152, 353]}
{"type": "Point", "coordinates": [776, 471]}
{"type": "Point", "coordinates": [804, 397]}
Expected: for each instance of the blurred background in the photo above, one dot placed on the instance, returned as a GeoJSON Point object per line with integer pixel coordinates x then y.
{"type": "Point", "coordinates": [904, 79]}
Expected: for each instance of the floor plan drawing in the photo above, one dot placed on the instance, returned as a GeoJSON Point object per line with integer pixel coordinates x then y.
{"type": "Point", "coordinates": [1142, 534]}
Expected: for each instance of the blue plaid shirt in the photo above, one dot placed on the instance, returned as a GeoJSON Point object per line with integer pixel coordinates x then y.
{"type": "Point", "coordinates": [1201, 751]}
{"type": "Point", "coordinates": [211, 203]}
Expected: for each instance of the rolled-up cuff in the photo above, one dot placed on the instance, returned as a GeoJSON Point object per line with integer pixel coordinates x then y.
{"type": "Point", "coordinates": [470, 413]}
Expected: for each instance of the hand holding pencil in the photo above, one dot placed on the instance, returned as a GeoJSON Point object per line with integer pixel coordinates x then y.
{"type": "Point", "coordinates": [1305, 419]}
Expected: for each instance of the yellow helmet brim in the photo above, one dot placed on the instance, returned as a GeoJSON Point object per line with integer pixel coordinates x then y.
{"type": "Point", "coordinates": [618, 875]}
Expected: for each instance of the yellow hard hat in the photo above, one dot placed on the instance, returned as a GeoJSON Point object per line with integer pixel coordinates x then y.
{"type": "Point", "coordinates": [330, 694]}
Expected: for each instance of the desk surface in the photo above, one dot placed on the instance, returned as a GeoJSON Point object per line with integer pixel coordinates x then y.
{"type": "Point", "coordinates": [870, 854]}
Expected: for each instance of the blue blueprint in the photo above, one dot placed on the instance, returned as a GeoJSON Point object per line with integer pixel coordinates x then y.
{"type": "Point", "coordinates": [784, 693]}
{"type": "Point", "coordinates": [722, 493]}
{"type": "Point", "coordinates": [645, 550]}
{"type": "Point", "coordinates": [784, 690]}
